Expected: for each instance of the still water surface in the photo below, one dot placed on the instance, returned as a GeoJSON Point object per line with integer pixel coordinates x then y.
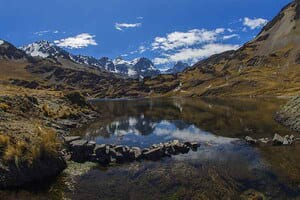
{"type": "Point", "coordinates": [224, 167]}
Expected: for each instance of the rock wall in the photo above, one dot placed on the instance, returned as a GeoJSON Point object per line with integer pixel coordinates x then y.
{"type": "Point", "coordinates": [289, 114]}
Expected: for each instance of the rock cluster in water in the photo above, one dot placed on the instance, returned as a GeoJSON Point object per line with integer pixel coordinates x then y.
{"type": "Point", "coordinates": [84, 150]}
{"type": "Point", "coordinates": [277, 140]}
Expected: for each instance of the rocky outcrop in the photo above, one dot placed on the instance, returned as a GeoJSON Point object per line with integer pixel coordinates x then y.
{"type": "Point", "coordinates": [83, 150]}
{"type": "Point", "coordinates": [289, 114]}
{"type": "Point", "coordinates": [277, 140]}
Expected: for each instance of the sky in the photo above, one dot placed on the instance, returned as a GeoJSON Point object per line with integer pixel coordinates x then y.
{"type": "Point", "coordinates": [165, 31]}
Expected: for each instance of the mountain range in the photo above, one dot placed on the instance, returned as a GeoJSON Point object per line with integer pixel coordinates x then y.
{"type": "Point", "coordinates": [136, 68]}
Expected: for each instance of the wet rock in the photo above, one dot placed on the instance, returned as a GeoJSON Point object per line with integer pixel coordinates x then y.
{"type": "Point", "coordinates": [137, 152]}
{"type": "Point", "coordinates": [250, 140]}
{"type": "Point", "coordinates": [154, 154]}
{"type": "Point", "coordinates": [102, 154]}
{"type": "Point", "coordinates": [81, 150]}
{"type": "Point", "coordinates": [278, 140]}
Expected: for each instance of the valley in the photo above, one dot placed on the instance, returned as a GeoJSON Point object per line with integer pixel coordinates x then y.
{"type": "Point", "coordinates": [48, 94]}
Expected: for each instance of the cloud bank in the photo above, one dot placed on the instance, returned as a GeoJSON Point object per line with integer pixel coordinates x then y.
{"type": "Point", "coordinates": [77, 42]}
{"type": "Point", "coordinates": [254, 23]}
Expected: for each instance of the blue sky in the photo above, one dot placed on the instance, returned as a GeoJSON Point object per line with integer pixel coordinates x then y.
{"type": "Point", "coordinates": [165, 31]}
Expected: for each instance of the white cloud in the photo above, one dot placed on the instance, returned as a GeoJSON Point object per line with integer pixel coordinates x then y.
{"type": "Point", "coordinates": [140, 17]}
{"type": "Point", "coordinates": [76, 42]}
{"type": "Point", "coordinates": [142, 49]}
{"type": "Point", "coordinates": [56, 31]}
{"type": "Point", "coordinates": [40, 33]}
{"type": "Point", "coordinates": [184, 39]}
{"type": "Point", "coordinates": [121, 26]}
{"type": "Point", "coordinates": [254, 23]}
{"type": "Point", "coordinates": [227, 37]}
{"type": "Point", "coordinates": [195, 54]}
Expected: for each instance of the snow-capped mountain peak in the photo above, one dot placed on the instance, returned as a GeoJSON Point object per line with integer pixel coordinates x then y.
{"type": "Point", "coordinates": [42, 49]}
{"type": "Point", "coordinates": [136, 68]}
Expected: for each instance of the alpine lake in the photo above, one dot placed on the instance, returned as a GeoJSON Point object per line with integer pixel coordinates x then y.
{"type": "Point", "coordinates": [223, 167]}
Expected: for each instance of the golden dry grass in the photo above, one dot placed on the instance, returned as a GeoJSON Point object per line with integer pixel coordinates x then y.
{"type": "Point", "coordinates": [4, 107]}
{"type": "Point", "coordinates": [44, 144]}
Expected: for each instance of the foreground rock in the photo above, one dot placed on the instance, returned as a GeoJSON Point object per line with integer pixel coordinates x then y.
{"type": "Point", "coordinates": [277, 140]}
{"type": "Point", "coordinates": [83, 150]}
{"type": "Point", "coordinates": [16, 175]}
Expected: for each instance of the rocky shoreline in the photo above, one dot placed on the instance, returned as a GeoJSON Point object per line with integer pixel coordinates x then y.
{"type": "Point", "coordinates": [81, 150]}
{"type": "Point", "coordinates": [27, 115]}
{"type": "Point", "coordinates": [277, 140]}
{"type": "Point", "coordinates": [288, 115]}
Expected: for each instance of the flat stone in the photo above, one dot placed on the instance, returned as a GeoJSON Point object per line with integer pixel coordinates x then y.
{"type": "Point", "coordinates": [69, 139]}
{"type": "Point", "coordinates": [78, 143]}
{"type": "Point", "coordinates": [119, 148]}
{"type": "Point", "coordinates": [154, 154]}
{"type": "Point", "coordinates": [264, 140]}
{"type": "Point", "coordinates": [250, 140]}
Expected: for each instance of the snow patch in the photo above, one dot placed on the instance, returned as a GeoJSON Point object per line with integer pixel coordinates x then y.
{"type": "Point", "coordinates": [1, 42]}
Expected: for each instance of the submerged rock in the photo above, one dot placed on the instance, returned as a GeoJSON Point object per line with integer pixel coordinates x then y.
{"type": "Point", "coordinates": [154, 154]}
{"type": "Point", "coordinates": [276, 141]}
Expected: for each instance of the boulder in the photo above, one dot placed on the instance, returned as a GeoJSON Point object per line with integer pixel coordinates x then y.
{"type": "Point", "coordinates": [81, 150]}
{"type": "Point", "coordinates": [250, 140]}
{"type": "Point", "coordinates": [181, 148]}
{"type": "Point", "coordinates": [277, 140]}
{"type": "Point", "coordinates": [154, 154]}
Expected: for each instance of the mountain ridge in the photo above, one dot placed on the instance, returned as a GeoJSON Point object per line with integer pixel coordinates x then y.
{"type": "Point", "coordinates": [131, 69]}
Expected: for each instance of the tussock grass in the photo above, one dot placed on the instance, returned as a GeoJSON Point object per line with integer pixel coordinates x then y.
{"type": "Point", "coordinates": [4, 107]}
{"type": "Point", "coordinates": [44, 144]}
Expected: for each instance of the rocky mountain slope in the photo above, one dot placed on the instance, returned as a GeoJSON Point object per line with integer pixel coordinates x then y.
{"type": "Point", "coordinates": [137, 68]}
{"type": "Point", "coordinates": [266, 66]}
{"type": "Point", "coordinates": [177, 68]}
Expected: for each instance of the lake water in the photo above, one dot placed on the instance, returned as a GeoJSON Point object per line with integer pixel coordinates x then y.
{"type": "Point", "coordinates": [224, 167]}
